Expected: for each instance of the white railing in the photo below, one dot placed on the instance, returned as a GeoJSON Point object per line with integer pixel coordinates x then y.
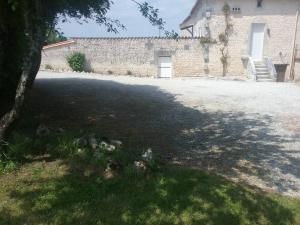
{"type": "Point", "coordinates": [271, 67]}
{"type": "Point", "coordinates": [251, 68]}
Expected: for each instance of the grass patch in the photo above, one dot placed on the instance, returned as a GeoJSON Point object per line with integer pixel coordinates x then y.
{"type": "Point", "coordinates": [56, 193]}
{"type": "Point", "coordinates": [66, 186]}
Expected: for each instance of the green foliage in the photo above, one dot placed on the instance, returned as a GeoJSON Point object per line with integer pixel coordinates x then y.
{"type": "Point", "coordinates": [129, 72]}
{"type": "Point", "coordinates": [15, 151]}
{"type": "Point", "coordinates": [8, 166]}
{"type": "Point", "coordinates": [62, 195]}
{"type": "Point", "coordinates": [91, 9]}
{"type": "Point", "coordinates": [64, 147]}
{"type": "Point", "coordinates": [18, 146]}
{"type": "Point", "coordinates": [76, 61]}
{"type": "Point", "coordinates": [64, 191]}
{"type": "Point", "coordinates": [110, 72]}
{"type": "Point", "coordinates": [37, 171]}
{"type": "Point", "coordinates": [226, 9]}
{"type": "Point", "coordinates": [78, 151]}
{"type": "Point", "coordinates": [152, 14]}
{"type": "Point", "coordinates": [54, 36]}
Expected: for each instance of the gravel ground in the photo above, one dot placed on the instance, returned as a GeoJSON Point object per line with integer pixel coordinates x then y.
{"type": "Point", "coordinates": [244, 130]}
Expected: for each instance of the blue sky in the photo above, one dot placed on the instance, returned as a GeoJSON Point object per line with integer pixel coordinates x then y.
{"type": "Point", "coordinates": [172, 11]}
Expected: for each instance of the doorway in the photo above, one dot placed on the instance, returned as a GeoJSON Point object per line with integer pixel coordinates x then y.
{"type": "Point", "coordinates": [257, 41]}
{"type": "Point", "coordinates": [165, 67]}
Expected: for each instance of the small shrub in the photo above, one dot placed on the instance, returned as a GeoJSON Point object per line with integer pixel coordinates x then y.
{"type": "Point", "coordinates": [110, 72]}
{"type": "Point", "coordinates": [8, 166]}
{"type": "Point", "coordinates": [18, 146]}
{"type": "Point", "coordinates": [76, 61]}
{"type": "Point", "coordinates": [48, 67]}
{"type": "Point", "coordinates": [65, 147]}
{"type": "Point", "coordinates": [14, 153]}
{"type": "Point", "coordinates": [226, 9]}
{"type": "Point", "coordinates": [129, 72]}
{"type": "Point", "coordinates": [104, 155]}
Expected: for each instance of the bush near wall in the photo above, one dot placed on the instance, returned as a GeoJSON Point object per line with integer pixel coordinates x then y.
{"type": "Point", "coordinates": [76, 61]}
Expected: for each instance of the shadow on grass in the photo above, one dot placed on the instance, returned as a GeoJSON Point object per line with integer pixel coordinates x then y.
{"type": "Point", "coordinates": [235, 144]}
{"type": "Point", "coordinates": [231, 143]}
{"type": "Point", "coordinates": [172, 196]}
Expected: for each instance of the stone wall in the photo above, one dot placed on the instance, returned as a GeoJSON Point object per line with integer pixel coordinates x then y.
{"type": "Point", "coordinates": [278, 16]}
{"type": "Point", "coordinates": [136, 56]}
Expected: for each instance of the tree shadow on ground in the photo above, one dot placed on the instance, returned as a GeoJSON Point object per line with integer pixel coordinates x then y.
{"type": "Point", "coordinates": [240, 146]}
{"type": "Point", "coordinates": [172, 196]}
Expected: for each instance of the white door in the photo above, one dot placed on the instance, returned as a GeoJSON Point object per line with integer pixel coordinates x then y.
{"type": "Point", "coordinates": [257, 41]}
{"type": "Point", "coordinates": [165, 67]}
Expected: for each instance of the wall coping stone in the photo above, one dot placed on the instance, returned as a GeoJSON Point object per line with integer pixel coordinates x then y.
{"type": "Point", "coordinates": [128, 38]}
{"type": "Point", "coordinates": [59, 44]}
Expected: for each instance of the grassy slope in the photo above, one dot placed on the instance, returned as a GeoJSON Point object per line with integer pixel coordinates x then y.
{"type": "Point", "coordinates": [52, 193]}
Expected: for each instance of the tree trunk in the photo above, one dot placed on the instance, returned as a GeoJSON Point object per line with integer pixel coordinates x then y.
{"type": "Point", "coordinates": [34, 36]}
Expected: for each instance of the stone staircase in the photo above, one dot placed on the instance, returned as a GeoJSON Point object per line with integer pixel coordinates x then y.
{"type": "Point", "coordinates": [262, 72]}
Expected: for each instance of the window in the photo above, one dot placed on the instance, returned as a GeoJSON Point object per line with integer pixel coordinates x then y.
{"type": "Point", "coordinates": [236, 9]}
{"type": "Point", "coordinates": [259, 3]}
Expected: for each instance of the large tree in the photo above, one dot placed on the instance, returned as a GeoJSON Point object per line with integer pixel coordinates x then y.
{"type": "Point", "coordinates": [23, 30]}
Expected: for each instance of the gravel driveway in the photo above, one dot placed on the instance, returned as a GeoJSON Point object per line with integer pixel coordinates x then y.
{"type": "Point", "coordinates": [244, 130]}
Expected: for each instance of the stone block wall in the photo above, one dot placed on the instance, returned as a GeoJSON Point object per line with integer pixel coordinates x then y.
{"type": "Point", "coordinates": [136, 56]}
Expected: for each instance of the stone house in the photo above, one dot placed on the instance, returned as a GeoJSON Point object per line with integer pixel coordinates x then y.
{"type": "Point", "coordinates": [254, 38]}
{"type": "Point", "coordinates": [263, 35]}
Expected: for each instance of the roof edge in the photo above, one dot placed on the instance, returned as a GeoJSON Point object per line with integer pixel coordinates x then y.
{"type": "Point", "coordinates": [59, 44]}
{"type": "Point", "coordinates": [184, 24]}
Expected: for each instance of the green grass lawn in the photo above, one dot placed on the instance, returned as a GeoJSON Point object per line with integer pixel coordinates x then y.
{"type": "Point", "coordinates": [55, 193]}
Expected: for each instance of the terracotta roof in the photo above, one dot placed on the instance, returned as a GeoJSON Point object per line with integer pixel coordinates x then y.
{"type": "Point", "coordinates": [59, 44]}
{"type": "Point", "coordinates": [184, 24]}
{"type": "Point", "coordinates": [129, 38]}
